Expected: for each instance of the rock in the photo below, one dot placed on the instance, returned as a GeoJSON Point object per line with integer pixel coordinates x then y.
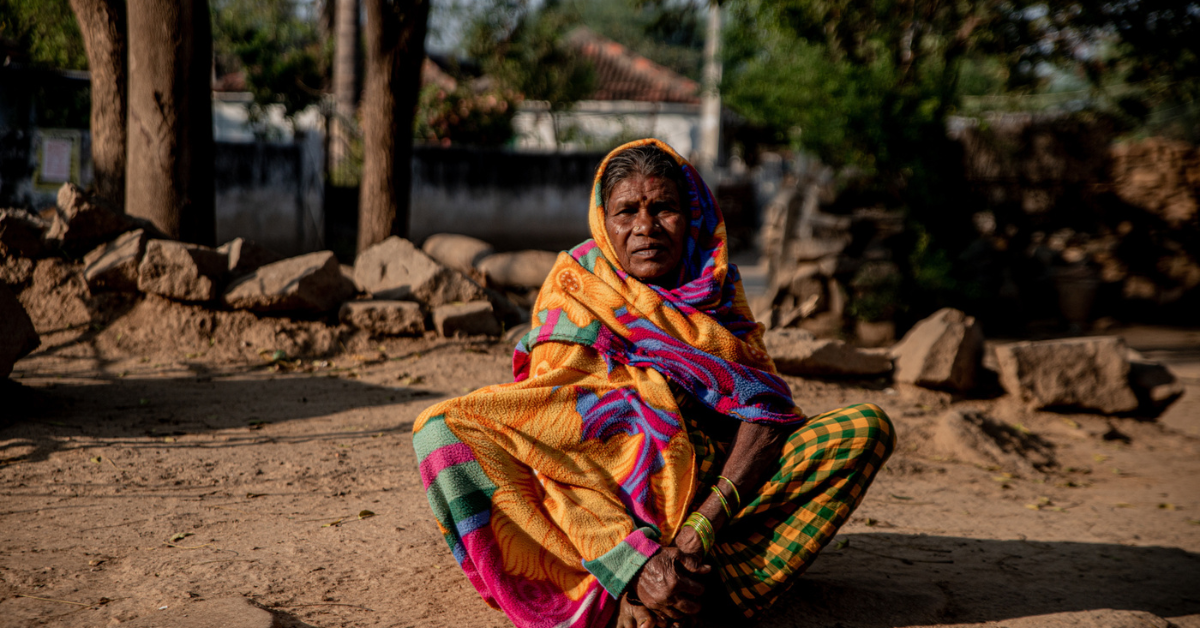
{"type": "Point", "coordinates": [466, 319]}
{"type": "Point", "coordinates": [522, 269]}
{"type": "Point", "coordinates": [17, 335]}
{"type": "Point", "coordinates": [1154, 384]}
{"type": "Point", "coordinates": [308, 283]}
{"type": "Point", "coordinates": [455, 251]}
{"type": "Point", "coordinates": [942, 351]}
{"type": "Point", "coordinates": [516, 333]}
{"type": "Point", "coordinates": [181, 271]}
{"type": "Point", "coordinates": [977, 440]}
{"type": "Point", "coordinates": [384, 318]}
{"type": "Point", "coordinates": [245, 256]}
{"type": "Point", "coordinates": [798, 352]}
{"type": "Point", "coordinates": [82, 223]}
{"type": "Point", "coordinates": [21, 233]}
{"type": "Point", "coordinates": [234, 612]}
{"type": "Point", "coordinates": [16, 271]}
{"type": "Point", "coordinates": [114, 266]}
{"type": "Point", "coordinates": [505, 309]}
{"type": "Point", "coordinates": [1090, 373]}
{"type": "Point", "coordinates": [56, 297]}
{"type": "Point", "coordinates": [395, 269]}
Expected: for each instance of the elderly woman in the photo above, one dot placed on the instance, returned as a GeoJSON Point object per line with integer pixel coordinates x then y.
{"type": "Point", "coordinates": [647, 460]}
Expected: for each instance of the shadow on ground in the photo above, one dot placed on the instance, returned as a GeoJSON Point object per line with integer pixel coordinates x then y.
{"type": "Point", "coordinates": [39, 421]}
{"type": "Point", "coordinates": [882, 580]}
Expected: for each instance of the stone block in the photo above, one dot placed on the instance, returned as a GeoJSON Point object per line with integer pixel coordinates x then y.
{"type": "Point", "coordinates": [82, 223]}
{"type": "Point", "coordinates": [520, 269]}
{"type": "Point", "coordinates": [311, 283]}
{"type": "Point", "coordinates": [942, 351]}
{"type": "Point", "coordinates": [1088, 373]}
{"type": "Point", "coordinates": [466, 319]}
{"type": "Point", "coordinates": [246, 256]}
{"type": "Point", "coordinates": [21, 233]}
{"type": "Point", "coordinates": [181, 271]}
{"type": "Point", "coordinates": [395, 269]}
{"type": "Point", "coordinates": [17, 335]}
{"type": "Point", "coordinates": [384, 318]}
{"type": "Point", "coordinates": [455, 251]}
{"type": "Point", "coordinates": [798, 352]}
{"type": "Point", "coordinates": [114, 265]}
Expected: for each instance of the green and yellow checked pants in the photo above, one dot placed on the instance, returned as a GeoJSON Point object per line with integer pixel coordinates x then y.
{"type": "Point", "coordinates": [824, 471]}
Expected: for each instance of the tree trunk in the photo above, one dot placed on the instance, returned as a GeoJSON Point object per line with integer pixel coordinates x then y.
{"type": "Point", "coordinates": [395, 51]}
{"type": "Point", "coordinates": [170, 160]}
{"type": "Point", "coordinates": [102, 23]}
{"type": "Point", "coordinates": [710, 98]}
{"type": "Point", "coordinates": [345, 83]}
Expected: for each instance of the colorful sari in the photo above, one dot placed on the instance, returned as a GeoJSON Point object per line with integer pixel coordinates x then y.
{"type": "Point", "coordinates": [552, 491]}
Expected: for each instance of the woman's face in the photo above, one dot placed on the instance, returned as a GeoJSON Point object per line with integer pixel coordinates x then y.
{"type": "Point", "coordinates": [646, 226]}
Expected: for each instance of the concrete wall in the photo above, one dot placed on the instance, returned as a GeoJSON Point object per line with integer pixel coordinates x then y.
{"type": "Point", "coordinates": [602, 125]}
{"type": "Point", "coordinates": [513, 200]}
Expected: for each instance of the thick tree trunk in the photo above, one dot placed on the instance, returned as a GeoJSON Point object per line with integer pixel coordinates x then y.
{"type": "Point", "coordinates": [102, 23]}
{"type": "Point", "coordinates": [169, 179]}
{"type": "Point", "coordinates": [345, 82]}
{"type": "Point", "coordinates": [395, 51]}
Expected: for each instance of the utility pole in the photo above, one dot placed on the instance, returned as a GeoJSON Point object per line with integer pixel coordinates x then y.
{"type": "Point", "coordinates": [710, 96]}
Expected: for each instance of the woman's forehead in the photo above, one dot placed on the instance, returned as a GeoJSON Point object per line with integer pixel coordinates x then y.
{"type": "Point", "coordinates": [642, 186]}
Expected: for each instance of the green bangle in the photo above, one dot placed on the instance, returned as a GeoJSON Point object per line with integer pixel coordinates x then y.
{"type": "Point", "coordinates": [724, 502]}
{"type": "Point", "coordinates": [733, 487]}
{"type": "Point", "coordinates": [703, 528]}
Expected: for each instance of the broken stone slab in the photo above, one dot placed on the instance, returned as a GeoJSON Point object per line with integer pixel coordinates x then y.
{"type": "Point", "coordinates": [114, 265]}
{"type": "Point", "coordinates": [1088, 373]}
{"type": "Point", "coordinates": [308, 283]}
{"type": "Point", "coordinates": [234, 612]}
{"type": "Point", "coordinates": [246, 256]}
{"type": "Point", "coordinates": [455, 251]}
{"type": "Point", "coordinates": [17, 335]}
{"type": "Point", "coordinates": [976, 439]}
{"type": "Point", "coordinates": [466, 319]}
{"type": "Point", "coordinates": [181, 271]}
{"type": "Point", "coordinates": [942, 351]}
{"type": "Point", "coordinates": [798, 352]}
{"type": "Point", "coordinates": [384, 318]}
{"type": "Point", "coordinates": [520, 269]}
{"type": "Point", "coordinates": [1154, 384]}
{"type": "Point", "coordinates": [82, 223]}
{"type": "Point", "coordinates": [395, 269]}
{"type": "Point", "coordinates": [21, 233]}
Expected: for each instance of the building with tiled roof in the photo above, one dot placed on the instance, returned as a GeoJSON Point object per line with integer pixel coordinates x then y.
{"type": "Point", "coordinates": [633, 98]}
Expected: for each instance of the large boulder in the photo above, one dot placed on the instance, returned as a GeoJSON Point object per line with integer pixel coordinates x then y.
{"type": "Point", "coordinates": [114, 265]}
{"type": "Point", "coordinates": [395, 269]}
{"type": "Point", "coordinates": [384, 318]}
{"type": "Point", "coordinates": [798, 352]}
{"type": "Point", "coordinates": [466, 319]}
{"type": "Point", "coordinates": [82, 223]}
{"type": "Point", "coordinates": [309, 283]}
{"type": "Point", "coordinates": [181, 271]}
{"type": "Point", "coordinates": [1088, 373]}
{"type": "Point", "coordinates": [21, 233]}
{"type": "Point", "coordinates": [246, 256]}
{"type": "Point", "coordinates": [942, 351]}
{"type": "Point", "coordinates": [17, 335]}
{"type": "Point", "coordinates": [459, 252]}
{"type": "Point", "coordinates": [520, 269]}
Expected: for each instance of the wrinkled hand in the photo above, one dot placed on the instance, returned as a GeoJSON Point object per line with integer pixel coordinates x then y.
{"type": "Point", "coordinates": [667, 584]}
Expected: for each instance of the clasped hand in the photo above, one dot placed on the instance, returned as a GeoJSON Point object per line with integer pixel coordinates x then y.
{"type": "Point", "coordinates": [667, 586]}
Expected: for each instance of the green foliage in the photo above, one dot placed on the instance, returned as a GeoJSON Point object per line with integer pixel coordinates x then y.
{"type": "Point", "coordinates": [462, 116]}
{"type": "Point", "coordinates": [45, 30]}
{"type": "Point", "coordinates": [876, 292]}
{"type": "Point", "coordinates": [526, 52]}
{"type": "Point", "coordinates": [283, 54]}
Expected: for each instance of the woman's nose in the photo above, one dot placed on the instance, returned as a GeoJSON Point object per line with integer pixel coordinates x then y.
{"type": "Point", "coordinates": [644, 223]}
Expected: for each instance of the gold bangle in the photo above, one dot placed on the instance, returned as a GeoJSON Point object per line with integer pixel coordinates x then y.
{"type": "Point", "coordinates": [703, 528]}
{"type": "Point", "coordinates": [724, 502]}
{"type": "Point", "coordinates": [733, 487]}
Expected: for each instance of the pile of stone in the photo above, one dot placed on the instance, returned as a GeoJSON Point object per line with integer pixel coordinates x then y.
{"type": "Point", "coordinates": [946, 351]}
{"type": "Point", "coordinates": [457, 286]}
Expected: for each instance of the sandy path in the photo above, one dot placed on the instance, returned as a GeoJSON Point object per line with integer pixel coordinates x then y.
{"type": "Point", "coordinates": [104, 462]}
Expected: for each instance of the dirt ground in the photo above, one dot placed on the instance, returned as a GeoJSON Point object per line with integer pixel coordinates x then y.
{"type": "Point", "coordinates": [168, 455]}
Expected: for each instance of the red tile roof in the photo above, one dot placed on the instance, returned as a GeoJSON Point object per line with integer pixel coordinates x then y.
{"type": "Point", "coordinates": [622, 74]}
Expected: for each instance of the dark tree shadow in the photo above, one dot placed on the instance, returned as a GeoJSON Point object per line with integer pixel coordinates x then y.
{"type": "Point", "coordinates": [886, 579]}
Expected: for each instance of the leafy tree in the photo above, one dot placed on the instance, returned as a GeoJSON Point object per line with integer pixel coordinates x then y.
{"type": "Point", "coordinates": [282, 52]}
{"type": "Point", "coordinates": [45, 30]}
